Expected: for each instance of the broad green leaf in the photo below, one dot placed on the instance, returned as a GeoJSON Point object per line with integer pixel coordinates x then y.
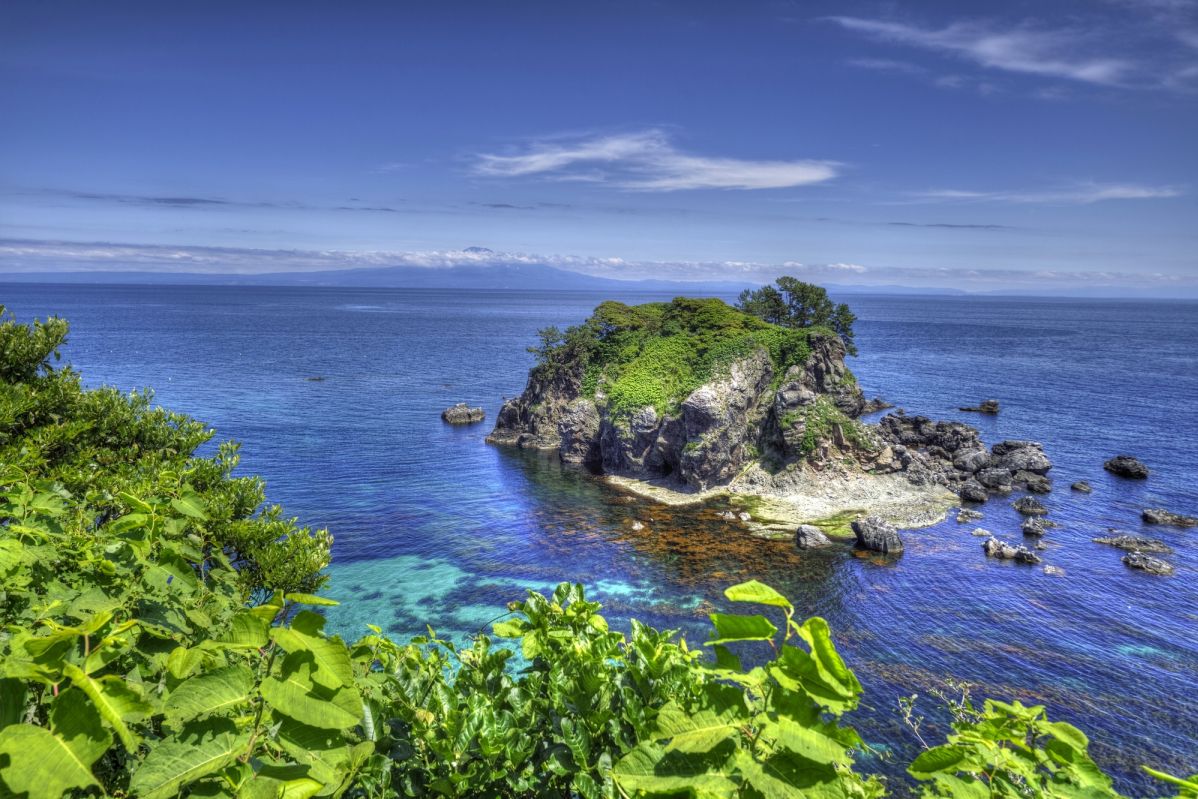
{"type": "Point", "coordinates": [296, 695]}
{"type": "Point", "coordinates": [190, 505]}
{"type": "Point", "coordinates": [760, 593]}
{"type": "Point", "coordinates": [76, 722]}
{"type": "Point", "coordinates": [731, 627]}
{"type": "Point", "coordinates": [333, 668]}
{"type": "Point", "coordinates": [716, 720]}
{"type": "Point", "coordinates": [174, 763]}
{"type": "Point", "coordinates": [945, 758]}
{"type": "Point", "coordinates": [650, 770]}
{"type": "Point", "coordinates": [12, 701]}
{"type": "Point", "coordinates": [311, 599]}
{"type": "Point", "coordinates": [512, 628]}
{"type": "Point", "coordinates": [216, 692]}
{"type": "Point", "coordinates": [248, 631]}
{"type": "Point", "coordinates": [40, 765]}
{"type": "Point", "coordinates": [116, 701]}
{"type": "Point", "coordinates": [808, 742]}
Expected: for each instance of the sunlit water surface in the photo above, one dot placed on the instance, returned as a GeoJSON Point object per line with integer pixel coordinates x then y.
{"type": "Point", "coordinates": [434, 527]}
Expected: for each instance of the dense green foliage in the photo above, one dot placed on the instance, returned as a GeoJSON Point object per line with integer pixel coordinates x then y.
{"type": "Point", "coordinates": [658, 353]}
{"type": "Point", "coordinates": [156, 640]}
{"type": "Point", "coordinates": [794, 303]}
{"type": "Point", "coordinates": [823, 421]}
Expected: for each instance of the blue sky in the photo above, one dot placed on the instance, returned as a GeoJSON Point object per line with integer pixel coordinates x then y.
{"type": "Point", "coordinates": [979, 146]}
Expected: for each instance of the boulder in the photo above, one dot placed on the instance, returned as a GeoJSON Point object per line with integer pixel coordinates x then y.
{"type": "Point", "coordinates": [967, 515]}
{"type": "Point", "coordinates": [1082, 486]}
{"type": "Point", "coordinates": [728, 515]}
{"type": "Point", "coordinates": [1036, 483]}
{"type": "Point", "coordinates": [1054, 571]}
{"type": "Point", "coordinates": [637, 526]}
{"type": "Point", "coordinates": [1126, 466]}
{"type": "Point", "coordinates": [981, 532]}
{"type": "Point", "coordinates": [972, 491]}
{"type": "Point", "coordinates": [985, 406]}
{"type": "Point", "coordinates": [874, 405]}
{"type": "Point", "coordinates": [1135, 543]}
{"type": "Point", "coordinates": [1162, 516]}
{"type": "Point", "coordinates": [1022, 456]}
{"type": "Point", "coordinates": [971, 459]}
{"type": "Point", "coordinates": [463, 414]}
{"type": "Point", "coordinates": [1030, 506]}
{"type": "Point", "coordinates": [877, 535]}
{"type": "Point", "coordinates": [1036, 526]}
{"type": "Point", "coordinates": [1004, 551]}
{"type": "Point", "coordinates": [1138, 560]}
{"type": "Point", "coordinates": [996, 479]}
{"type": "Point", "coordinates": [808, 536]}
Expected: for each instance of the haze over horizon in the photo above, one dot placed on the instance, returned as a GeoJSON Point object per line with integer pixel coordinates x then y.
{"type": "Point", "coordinates": [1014, 147]}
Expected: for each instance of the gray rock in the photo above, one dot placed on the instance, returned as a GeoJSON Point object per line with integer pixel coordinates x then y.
{"type": "Point", "coordinates": [996, 479]}
{"type": "Point", "coordinates": [728, 515]}
{"type": "Point", "coordinates": [1162, 516]}
{"type": "Point", "coordinates": [1082, 486]}
{"type": "Point", "coordinates": [1135, 543]}
{"type": "Point", "coordinates": [744, 517]}
{"type": "Point", "coordinates": [1028, 458]}
{"type": "Point", "coordinates": [985, 406]}
{"type": "Point", "coordinates": [1035, 526]}
{"type": "Point", "coordinates": [808, 536]}
{"type": "Point", "coordinates": [1126, 466]}
{"type": "Point", "coordinates": [1030, 506]}
{"type": "Point", "coordinates": [578, 429]}
{"type": "Point", "coordinates": [1054, 571]}
{"type": "Point", "coordinates": [1138, 560]}
{"type": "Point", "coordinates": [1004, 551]}
{"type": "Point", "coordinates": [1036, 483]}
{"type": "Point", "coordinates": [877, 535]}
{"type": "Point", "coordinates": [972, 491]}
{"type": "Point", "coordinates": [971, 459]}
{"type": "Point", "coordinates": [967, 515]}
{"type": "Point", "coordinates": [874, 405]}
{"type": "Point", "coordinates": [636, 525]}
{"type": "Point", "coordinates": [463, 414]}
{"type": "Point", "coordinates": [981, 532]}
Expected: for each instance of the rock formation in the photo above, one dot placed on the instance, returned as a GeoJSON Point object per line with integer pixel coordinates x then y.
{"type": "Point", "coordinates": [1004, 551]}
{"type": "Point", "coordinates": [808, 536]}
{"type": "Point", "coordinates": [1162, 516]}
{"type": "Point", "coordinates": [989, 406]}
{"type": "Point", "coordinates": [1135, 543]}
{"type": "Point", "coordinates": [1138, 560]}
{"type": "Point", "coordinates": [1126, 466]}
{"type": "Point", "coordinates": [463, 414]}
{"type": "Point", "coordinates": [876, 535]}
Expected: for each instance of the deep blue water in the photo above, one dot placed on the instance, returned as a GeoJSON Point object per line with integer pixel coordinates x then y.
{"type": "Point", "coordinates": [433, 526]}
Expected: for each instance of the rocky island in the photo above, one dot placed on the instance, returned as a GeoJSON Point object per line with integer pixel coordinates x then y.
{"type": "Point", "coordinates": [691, 399]}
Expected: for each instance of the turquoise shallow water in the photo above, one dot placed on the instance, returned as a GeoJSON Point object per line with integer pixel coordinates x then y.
{"type": "Point", "coordinates": [434, 527]}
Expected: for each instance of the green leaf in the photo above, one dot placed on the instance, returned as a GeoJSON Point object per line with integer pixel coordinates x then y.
{"type": "Point", "coordinates": [650, 770]}
{"type": "Point", "coordinates": [249, 631]}
{"type": "Point", "coordinates": [811, 743]}
{"type": "Point", "coordinates": [331, 658]}
{"type": "Point", "coordinates": [944, 758]}
{"type": "Point", "coordinates": [40, 765]}
{"type": "Point", "coordinates": [190, 505]}
{"type": "Point", "coordinates": [116, 701]}
{"type": "Point", "coordinates": [731, 627]}
{"type": "Point", "coordinates": [77, 724]}
{"type": "Point", "coordinates": [12, 701]}
{"type": "Point", "coordinates": [175, 763]}
{"type": "Point", "coordinates": [215, 692]}
{"type": "Point", "coordinates": [296, 695]}
{"type": "Point", "coordinates": [754, 591]}
{"type": "Point", "coordinates": [1188, 785]}
{"type": "Point", "coordinates": [717, 718]}
{"type": "Point", "coordinates": [311, 599]}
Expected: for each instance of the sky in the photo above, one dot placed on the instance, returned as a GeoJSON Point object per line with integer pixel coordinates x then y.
{"type": "Point", "coordinates": [1033, 146]}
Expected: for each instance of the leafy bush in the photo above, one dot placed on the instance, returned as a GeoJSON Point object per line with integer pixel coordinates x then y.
{"type": "Point", "coordinates": [146, 650]}
{"type": "Point", "coordinates": [797, 304]}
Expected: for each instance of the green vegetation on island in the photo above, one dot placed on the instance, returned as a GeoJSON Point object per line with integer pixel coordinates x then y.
{"type": "Point", "coordinates": [159, 636]}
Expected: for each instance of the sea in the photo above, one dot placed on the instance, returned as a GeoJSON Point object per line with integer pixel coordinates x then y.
{"type": "Point", "coordinates": [335, 395]}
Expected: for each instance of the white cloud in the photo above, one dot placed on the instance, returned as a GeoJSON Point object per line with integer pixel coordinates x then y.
{"type": "Point", "coordinates": [1080, 194]}
{"type": "Point", "coordinates": [1050, 53]}
{"type": "Point", "coordinates": [648, 161]}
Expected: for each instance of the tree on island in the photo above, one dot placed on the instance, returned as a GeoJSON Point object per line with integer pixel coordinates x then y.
{"type": "Point", "coordinates": [797, 304]}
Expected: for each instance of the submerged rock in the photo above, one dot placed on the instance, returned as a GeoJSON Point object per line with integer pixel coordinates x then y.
{"type": "Point", "coordinates": [1054, 571]}
{"type": "Point", "coordinates": [967, 515]}
{"type": "Point", "coordinates": [877, 535]}
{"type": "Point", "coordinates": [1162, 516]}
{"type": "Point", "coordinates": [1135, 543]}
{"type": "Point", "coordinates": [985, 406]}
{"type": "Point", "coordinates": [808, 536]}
{"type": "Point", "coordinates": [1030, 506]}
{"type": "Point", "coordinates": [637, 525]}
{"type": "Point", "coordinates": [972, 491]}
{"type": "Point", "coordinates": [981, 532]}
{"type": "Point", "coordinates": [1004, 551]}
{"type": "Point", "coordinates": [463, 414]}
{"type": "Point", "coordinates": [1082, 486]}
{"type": "Point", "coordinates": [1036, 526]}
{"type": "Point", "coordinates": [1138, 560]}
{"type": "Point", "coordinates": [1126, 466]}
{"type": "Point", "coordinates": [874, 405]}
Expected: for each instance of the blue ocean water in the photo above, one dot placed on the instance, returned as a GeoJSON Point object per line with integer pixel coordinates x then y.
{"type": "Point", "coordinates": [432, 526]}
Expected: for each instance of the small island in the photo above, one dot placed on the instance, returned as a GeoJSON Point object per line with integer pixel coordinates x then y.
{"type": "Point", "coordinates": [689, 400]}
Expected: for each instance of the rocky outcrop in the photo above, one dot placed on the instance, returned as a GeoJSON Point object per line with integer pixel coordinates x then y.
{"type": "Point", "coordinates": [1082, 486]}
{"type": "Point", "coordinates": [1036, 526]}
{"type": "Point", "coordinates": [808, 536]}
{"type": "Point", "coordinates": [1030, 506]}
{"type": "Point", "coordinates": [952, 454]}
{"type": "Point", "coordinates": [875, 405]}
{"type": "Point", "coordinates": [1135, 543]}
{"type": "Point", "coordinates": [1162, 516]}
{"type": "Point", "coordinates": [995, 548]}
{"type": "Point", "coordinates": [1126, 466]}
{"type": "Point", "coordinates": [985, 406]}
{"type": "Point", "coordinates": [463, 414]}
{"type": "Point", "coordinates": [967, 515]}
{"type": "Point", "coordinates": [877, 535]}
{"type": "Point", "coordinates": [1138, 560]}
{"type": "Point", "coordinates": [718, 430]}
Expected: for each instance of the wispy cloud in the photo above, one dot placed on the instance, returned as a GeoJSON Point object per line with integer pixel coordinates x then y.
{"type": "Point", "coordinates": [648, 161]}
{"type": "Point", "coordinates": [45, 257]}
{"type": "Point", "coordinates": [1080, 194]}
{"type": "Point", "coordinates": [1023, 49]}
